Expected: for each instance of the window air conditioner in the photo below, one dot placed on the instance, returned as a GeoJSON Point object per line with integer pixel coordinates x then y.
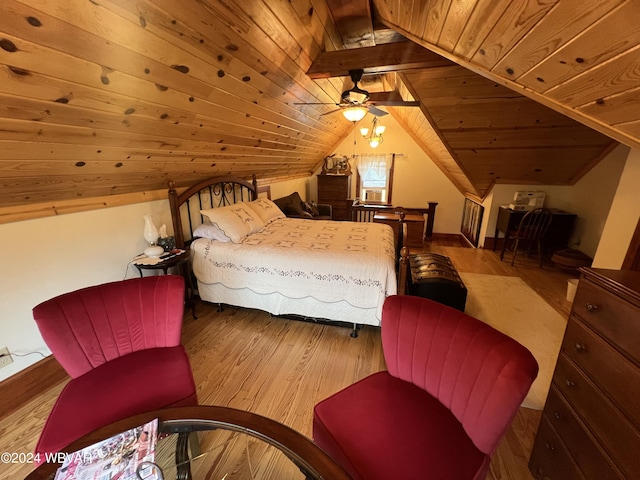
{"type": "Point", "coordinates": [373, 195]}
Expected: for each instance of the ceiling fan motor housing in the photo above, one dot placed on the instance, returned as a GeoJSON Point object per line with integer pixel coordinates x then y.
{"type": "Point", "coordinates": [356, 76]}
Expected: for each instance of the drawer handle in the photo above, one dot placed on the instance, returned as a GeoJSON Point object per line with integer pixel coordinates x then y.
{"type": "Point", "coordinates": [570, 383]}
{"type": "Point", "coordinates": [550, 446]}
{"type": "Point", "coordinates": [580, 347]}
{"type": "Point", "coordinates": [591, 307]}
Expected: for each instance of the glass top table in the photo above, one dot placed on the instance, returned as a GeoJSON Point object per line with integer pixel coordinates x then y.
{"type": "Point", "coordinates": [218, 443]}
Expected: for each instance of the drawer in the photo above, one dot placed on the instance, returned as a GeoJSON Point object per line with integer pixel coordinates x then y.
{"type": "Point", "coordinates": [614, 318]}
{"type": "Point", "coordinates": [550, 459]}
{"type": "Point", "coordinates": [619, 438]}
{"type": "Point", "coordinates": [616, 375]}
{"type": "Point", "coordinates": [588, 455]}
{"type": "Point", "coordinates": [333, 188]}
{"type": "Point", "coordinates": [330, 196]}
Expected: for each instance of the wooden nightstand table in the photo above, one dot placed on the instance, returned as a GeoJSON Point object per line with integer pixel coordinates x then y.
{"type": "Point", "coordinates": [180, 261]}
{"type": "Point", "coordinates": [415, 226]}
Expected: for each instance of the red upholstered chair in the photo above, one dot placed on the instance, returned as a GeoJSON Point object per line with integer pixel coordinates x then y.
{"type": "Point", "coordinates": [120, 343]}
{"type": "Point", "coordinates": [453, 387]}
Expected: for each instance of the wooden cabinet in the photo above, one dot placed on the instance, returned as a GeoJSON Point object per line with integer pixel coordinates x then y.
{"type": "Point", "coordinates": [335, 190]}
{"type": "Point", "coordinates": [415, 226]}
{"type": "Point", "coordinates": [590, 425]}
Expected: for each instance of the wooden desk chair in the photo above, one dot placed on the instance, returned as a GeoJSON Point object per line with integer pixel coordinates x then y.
{"type": "Point", "coordinates": [532, 229]}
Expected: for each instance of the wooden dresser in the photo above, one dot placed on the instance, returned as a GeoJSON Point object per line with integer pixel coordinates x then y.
{"type": "Point", "coordinates": [335, 190]}
{"type": "Point", "coordinates": [590, 427]}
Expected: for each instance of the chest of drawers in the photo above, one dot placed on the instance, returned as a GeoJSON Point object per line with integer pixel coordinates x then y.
{"type": "Point", "coordinates": [335, 190]}
{"type": "Point", "coordinates": [590, 427]}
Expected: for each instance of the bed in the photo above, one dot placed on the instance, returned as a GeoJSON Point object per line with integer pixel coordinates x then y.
{"type": "Point", "coordinates": [315, 269]}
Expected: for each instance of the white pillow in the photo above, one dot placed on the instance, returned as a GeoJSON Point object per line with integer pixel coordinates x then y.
{"type": "Point", "coordinates": [210, 231]}
{"type": "Point", "coordinates": [266, 210]}
{"type": "Point", "coordinates": [236, 221]}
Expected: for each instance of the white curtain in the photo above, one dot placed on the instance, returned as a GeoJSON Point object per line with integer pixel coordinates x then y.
{"type": "Point", "coordinates": [374, 170]}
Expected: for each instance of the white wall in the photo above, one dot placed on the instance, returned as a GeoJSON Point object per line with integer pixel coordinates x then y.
{"type": "Point", "coordinates": [49, 256]}
{"type": "Point", "coordinates": [623, 217]}
{"type": "Point", "coordinates": [417, 180]}
{"type": "Point", "coordinates": [301, 185]}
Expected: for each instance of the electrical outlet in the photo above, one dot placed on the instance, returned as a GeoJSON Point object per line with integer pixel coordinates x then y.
{"type": "Point", "coordinates": [6, 359]}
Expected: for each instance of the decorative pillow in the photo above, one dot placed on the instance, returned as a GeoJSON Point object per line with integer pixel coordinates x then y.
{"type": "Point", "coordinates": [312, 208]}
{"type": "Point", "coordinates": [266, 210]}
{"type": "Point", "coordinates": [236, 221]}
{"type": "Point", "coordinates": [291, 205]}
{"type": "Point", "coordinates": [282, 203]}
{"type": "Point", "coordinates": [210, 231]}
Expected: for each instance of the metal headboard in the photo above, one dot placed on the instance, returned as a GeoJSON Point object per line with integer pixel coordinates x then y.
{"type": "Point", "coordinates": [211, 193]}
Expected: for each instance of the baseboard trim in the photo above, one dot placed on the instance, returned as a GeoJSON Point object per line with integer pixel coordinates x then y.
{"type": "Point", "coordinates": [18, 389]}
{"type": "Point", "coordinates": [446, 236]}
{"type": "Point", "coordinates": [492, 243]}
{"type": "Point", "coordinates": [451, 238]}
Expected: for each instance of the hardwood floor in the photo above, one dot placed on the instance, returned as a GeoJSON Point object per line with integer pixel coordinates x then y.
{"type": "Point", "coordinates": [281, 368]}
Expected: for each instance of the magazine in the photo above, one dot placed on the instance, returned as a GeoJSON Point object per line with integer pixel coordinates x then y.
{"type": "Point", "coordinates": [116, 458]}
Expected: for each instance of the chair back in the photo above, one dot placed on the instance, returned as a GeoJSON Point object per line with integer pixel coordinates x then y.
{"type": "Point", "coordinates": [481, 375]}
{"type": "Point", "coordinates": [534, 224]}
{"type": "Point", "coordinates": [91, 326]}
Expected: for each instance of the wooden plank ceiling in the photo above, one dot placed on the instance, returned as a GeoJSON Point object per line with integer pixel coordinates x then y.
{"type": "Point", "coordinates": [107, 97]}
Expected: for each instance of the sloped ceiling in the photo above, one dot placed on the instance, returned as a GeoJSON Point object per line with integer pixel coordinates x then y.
{"type": "Point", "coordinates": [578, 58]}
{"type": "Point", "coordinates": [107, 97]}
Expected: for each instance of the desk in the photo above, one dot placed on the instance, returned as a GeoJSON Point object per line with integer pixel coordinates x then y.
{"type": "Point", "coordinates": [231, 444]}
{"type": "Point", "coordinates": [556, 238]}
{"type": "Point", "coordinates": [415, 226]}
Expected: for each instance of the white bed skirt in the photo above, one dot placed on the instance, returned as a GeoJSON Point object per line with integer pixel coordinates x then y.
{"type": "Point", "coordinates": [278, 304]}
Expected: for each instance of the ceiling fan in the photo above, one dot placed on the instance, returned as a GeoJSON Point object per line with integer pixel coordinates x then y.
{"type": "Point", "coordinates": [356, 102]}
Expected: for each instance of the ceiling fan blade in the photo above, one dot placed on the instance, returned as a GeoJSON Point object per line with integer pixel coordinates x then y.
{"type": "Point", "coordinates": [332, 111]}
{"type": "Point", "coordinates": [316, 103]}
{"type": "Point", "coordinates": [376, 111]}
{"type": "Point", "coordinates": [395, 103]}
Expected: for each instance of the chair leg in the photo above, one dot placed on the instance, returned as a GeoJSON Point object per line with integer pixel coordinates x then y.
{"type": "Point", "coordinates": [515, 251]}
{"type": "Point", "coordinates": [504, 247]}
{"type": "Point", "coordinates": [540, 253]}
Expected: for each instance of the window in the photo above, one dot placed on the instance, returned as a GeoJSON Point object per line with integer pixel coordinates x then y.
{"type": "Point", "coordinates": [375, 178]}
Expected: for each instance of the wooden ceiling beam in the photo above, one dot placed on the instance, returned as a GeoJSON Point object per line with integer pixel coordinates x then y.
{"type": "Point", "coordinates": [388, 57]}
{"type": "Point", "coordinates": [391, 99]}
{"type": "Point", "coordinates": [353, 22]}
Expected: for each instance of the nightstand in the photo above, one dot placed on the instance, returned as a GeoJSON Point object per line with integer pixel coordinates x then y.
{"type": "Point", "coordinates": [181, 261]}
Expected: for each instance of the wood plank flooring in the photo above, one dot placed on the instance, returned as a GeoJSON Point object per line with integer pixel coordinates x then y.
{"type": "Point", "coordinates": [281, 368]}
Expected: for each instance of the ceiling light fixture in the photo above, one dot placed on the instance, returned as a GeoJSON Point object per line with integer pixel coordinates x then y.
{"type": "Point", "coordinates": [373, 135]}
{"type": "Point", "coordinates": [354, 114]}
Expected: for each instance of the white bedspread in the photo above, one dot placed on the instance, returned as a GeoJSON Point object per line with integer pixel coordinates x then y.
{"type": "Point", "coordinates": [329, 261]}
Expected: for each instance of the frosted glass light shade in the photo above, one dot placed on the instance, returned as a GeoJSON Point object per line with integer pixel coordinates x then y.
{"type": "Point", "coordinates": [150, 230]}
{"type": "Point", "coordinates": [354, 114]}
